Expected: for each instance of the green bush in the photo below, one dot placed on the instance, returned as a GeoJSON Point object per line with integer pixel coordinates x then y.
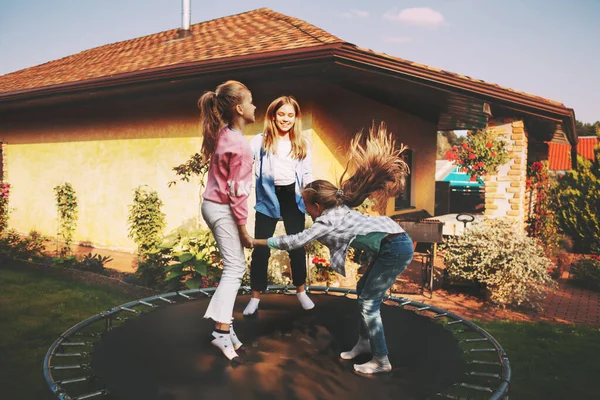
{"type": "Point", "coordinates": [146, 220]}
{"type": "Point", "coordinates": [586, 273]}
{"type": "Point", "coordinates": [499, 255]}
{"type": "Point", "coordinates": [576, 202]}
{"type": "Point", "coordinates": [28, 248]}
{"type": "Point", "coordinates": [66, 203]}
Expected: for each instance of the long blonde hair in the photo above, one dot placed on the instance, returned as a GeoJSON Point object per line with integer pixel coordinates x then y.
{"type": "Point", "coordinates": [216, 110]}
{"type": "Point", "coordinates": [377, 172]}
{"type": "Point", "coordinates": [270, 128]}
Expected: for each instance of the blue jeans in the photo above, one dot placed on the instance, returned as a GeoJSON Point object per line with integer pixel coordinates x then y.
{"type": "Point", "coordinates": [394, 256]}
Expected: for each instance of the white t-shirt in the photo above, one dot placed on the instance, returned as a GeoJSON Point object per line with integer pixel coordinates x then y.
{"type": "Point", "coordinates": [285, 165]}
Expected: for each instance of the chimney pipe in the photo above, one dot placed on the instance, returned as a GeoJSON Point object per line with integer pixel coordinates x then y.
{"type": "Point", "coordinates": [186, 16]}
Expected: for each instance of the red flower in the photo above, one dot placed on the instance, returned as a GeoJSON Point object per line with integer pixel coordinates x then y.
{"type": "Point", "coordinates": [489, 145]}
{"type": "Point", "coordinates": [465, 145]}
{"type": "Point", "coordinates": [472, 156]}
{"type": "Point", "coordinates": [493, 154]}
{"type": "Point", "coordinates": [480, 164]}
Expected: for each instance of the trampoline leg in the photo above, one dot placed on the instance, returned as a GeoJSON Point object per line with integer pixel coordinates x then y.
{"type": "Point", "coordinates": [108, 325]}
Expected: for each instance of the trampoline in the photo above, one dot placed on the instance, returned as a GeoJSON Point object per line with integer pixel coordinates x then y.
{"type": "Point", "coordinates": [158, 348]}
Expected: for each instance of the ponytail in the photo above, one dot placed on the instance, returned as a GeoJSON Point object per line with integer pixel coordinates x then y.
{"type": "Point", "coordinates": [211, 123]}
{"type": "Point", "coordinates": [216, 110]}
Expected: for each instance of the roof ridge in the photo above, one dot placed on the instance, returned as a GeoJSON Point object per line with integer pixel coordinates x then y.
{"type": "Point", "coordinates": [295, 22]}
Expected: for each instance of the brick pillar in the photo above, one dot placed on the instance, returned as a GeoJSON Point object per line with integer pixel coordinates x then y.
{"type": "Point", "coordinates": [505, 191]}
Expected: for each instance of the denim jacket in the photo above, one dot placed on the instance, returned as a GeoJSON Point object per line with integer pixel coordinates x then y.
{"type": "Point", "coordinates": [266, 199]}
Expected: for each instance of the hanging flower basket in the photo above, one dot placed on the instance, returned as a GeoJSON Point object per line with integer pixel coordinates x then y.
{"type": "Point", "coordinates": [479, 155]}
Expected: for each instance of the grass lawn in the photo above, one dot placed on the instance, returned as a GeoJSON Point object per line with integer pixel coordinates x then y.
{"type": "Point", "coordinates": [35, 308]}
{"type": "Point", "coordinates": [548, 361]}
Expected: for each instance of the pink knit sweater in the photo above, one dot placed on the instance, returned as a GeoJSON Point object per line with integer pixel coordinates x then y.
{"type": "Point", "coordinates": [229, 178]}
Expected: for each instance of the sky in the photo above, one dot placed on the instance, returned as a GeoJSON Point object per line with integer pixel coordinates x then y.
{"type": "Point", "coordinates": [549, 48]}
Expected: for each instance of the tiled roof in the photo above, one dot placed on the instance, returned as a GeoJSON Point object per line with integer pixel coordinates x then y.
{"type": "Point", "coordinates": [260, 31]}
{"type": "Point", "coordinates": [559, 155]}
{"type": "Point", "coordinates": [257, 31]}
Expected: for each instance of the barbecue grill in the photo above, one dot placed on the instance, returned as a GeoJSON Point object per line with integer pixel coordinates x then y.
{"type": "Point", "coordinates": [422, 230]}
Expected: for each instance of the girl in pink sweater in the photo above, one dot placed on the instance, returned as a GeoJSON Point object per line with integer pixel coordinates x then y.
{"type": "Point", "coordinates": [224, 115]}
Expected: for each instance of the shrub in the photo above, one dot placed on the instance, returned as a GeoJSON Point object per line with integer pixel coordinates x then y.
{"type": "Point", "coordinates": [482, 153]}
{"type": "Point", "coordinates": [586, 273]}
{"type": "Point", "coordinates": [576, 202]}
{"type": "Point", "coordinates": [4, 194]}
{"type": "Point", "coordinates": [196, 262]}
{"type": "Point", "coordinates": [93, 263]}
{"type": "Point", "coordinates": [28, 248]}
{"type": "Point", "coordinates": [66, 203]}
{"type": "Point", "coordinates": [497, 254]}
{"type": "Point", "coordinates": [146, 220]}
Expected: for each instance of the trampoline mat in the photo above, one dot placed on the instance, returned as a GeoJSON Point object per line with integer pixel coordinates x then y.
{"type": "Point", "coordinates": [290, 354]}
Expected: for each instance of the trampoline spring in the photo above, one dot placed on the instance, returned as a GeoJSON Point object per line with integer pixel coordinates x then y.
{"type": "Point", "coordinates": [102, 392]}
{"type": "Point", "coordinates": [458, 321]}
{"type": "Point", "coordinates": [448, 396]}
{"type": "Point", "coordinates": [166, 300]}
{"type": "Point", "coordinates": [482, 350]}
{"type": "Point", "coordinates": [186, 296]}
{"type": "Point", "coordinates": [121, 319]}
{"type": "Point", "coordinates": [423, 308]}
{"type": "Point", "coordinates": [92, 334]}
{"type": "Point", "coordinates": [483, 362]}
{"type": "Point", "coordinates": [346, 293]}
{"type": "Point", "coordinates": [64, 367]}
{"type": "Point", "coordinates": [404, 303]}
{"type": "Point", "coordinates": [210, 294]}
{"type": "Point", "coordinates": [440, 315]}
{"type": "Point", "coordinates": [484, 374]}
{"type": "Point", "coordinates": [74, 380]}
{"type": "Point", "coordinates": [476, 387]}
{"type": "Point", "coordinates": [148, 304]}
{"type": "Point", "coordinates": [67, 344]}
{"type": "Point", "coordinates": [327, 290]}
{"type": "Point", "coordinates": [70, 354]}
{"type": "Point", "coordinates": [474, 340]}
{"type": "Point", "coordinates": [129, 310]}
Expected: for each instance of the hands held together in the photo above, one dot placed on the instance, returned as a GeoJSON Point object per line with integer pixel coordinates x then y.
{"type": "Point", "coordinates": [247, 240]}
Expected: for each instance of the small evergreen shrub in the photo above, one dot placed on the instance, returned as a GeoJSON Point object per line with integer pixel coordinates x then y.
{"type": "Point", "coordinates": [498, 255]}
{"type": "Point", "coordinates": [146, 220]}
{"type": "Point", "coordinates": [586, 273]}
{"type": "Point", "coordinates": [66, 203]}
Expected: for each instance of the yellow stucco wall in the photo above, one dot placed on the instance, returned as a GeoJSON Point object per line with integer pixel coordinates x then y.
{"type": "Point", "coordinates": [339, 114]}
{"type": "Point", "coordinates": [107, 152]}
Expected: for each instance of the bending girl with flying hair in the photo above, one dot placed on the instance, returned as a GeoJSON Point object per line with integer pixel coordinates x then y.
{"type": "Point", "coordinates": [385, 247]}
{"type": "Point", "coordinates": [282, 167]}
{"type": "Point", "coordinates": [224, 115]}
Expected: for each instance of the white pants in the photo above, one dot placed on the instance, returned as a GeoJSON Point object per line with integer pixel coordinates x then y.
{"type": "Point", "coordinates": [219, 219]}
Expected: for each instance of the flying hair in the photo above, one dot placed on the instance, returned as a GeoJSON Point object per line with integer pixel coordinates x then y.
{"type": "Point", "coordinates": [375, 169]}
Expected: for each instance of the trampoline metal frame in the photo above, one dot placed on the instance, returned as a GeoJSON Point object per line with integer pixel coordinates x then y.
{"type": "Point", "coordinates": [63, 341]}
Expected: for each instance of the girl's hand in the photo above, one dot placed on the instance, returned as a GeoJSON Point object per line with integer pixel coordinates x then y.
{"type": "Point", "coordinates": [245, 238]}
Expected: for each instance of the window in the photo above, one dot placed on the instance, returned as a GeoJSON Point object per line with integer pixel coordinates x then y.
{"type": "Point", "coordinates": [403, 201]}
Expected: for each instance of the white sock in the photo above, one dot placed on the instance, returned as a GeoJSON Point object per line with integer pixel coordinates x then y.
{"type": "Point", "coordinates": [306, 302]}
{"type": "Point", "coordinates": [363, 346]}
{"type": "Point", "coordinates": [251, 307]}
{"type": "Point", "coordinates": [234, 339]}
{"type": "Point", "coordinates": [223, 342]}
{"type": "Point", "coordinates": [375, 366]}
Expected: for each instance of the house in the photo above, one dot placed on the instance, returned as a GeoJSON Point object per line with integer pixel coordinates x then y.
{"type": "Point", "coordinates": [124, 114]}
{"type": "Point", "coordinates": [560, 154]}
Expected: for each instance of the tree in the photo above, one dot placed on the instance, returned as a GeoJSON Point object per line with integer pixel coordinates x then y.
{"type": "Point", "coordinates": [586, 129]}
